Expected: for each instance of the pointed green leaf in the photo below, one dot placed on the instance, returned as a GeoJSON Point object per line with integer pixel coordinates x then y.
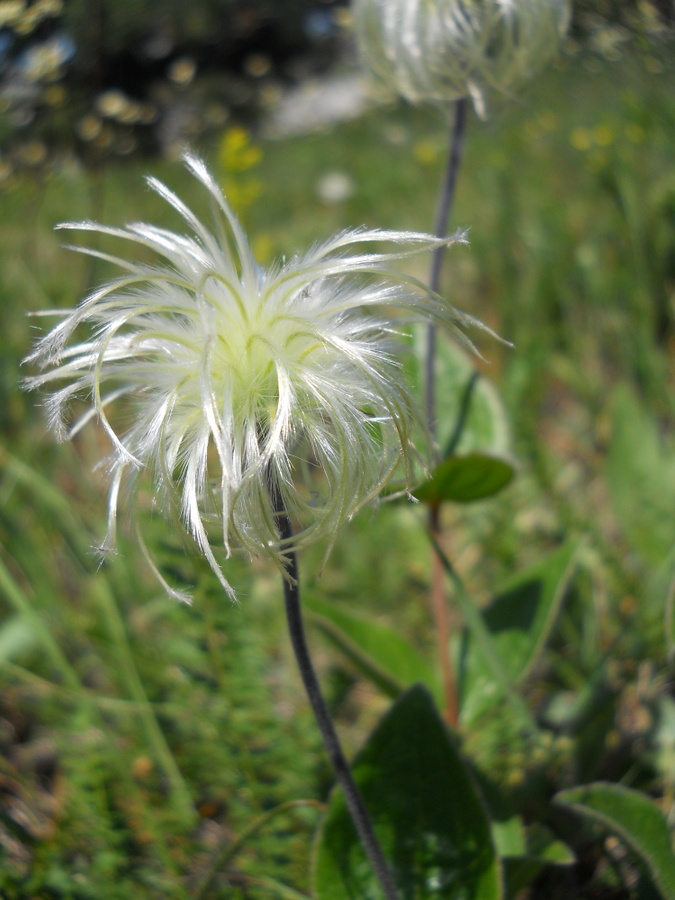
{"type": "Point", "coordinates": [425, 810]}
{"type": "Point", "coordinates": [377, 650]}
{"type": "Point", "coordinates": [276, 889]}
{"type": "Point", "coordinates": [519, 871]}
{"type": "Point", "coordinates": [509, 836]}
{"type": "Point", "coordinates": [635, 819]}
{"type": "Point", "coordinates": [541, 844]}
{"type": "Point", "coordinates": [641, 478]}
{"type": "Point", "coordinates": [663, 738]}
{"type": "Point", "coordinates": [519, 619]}
{"type": "Point", "coordinates": [464, 479]}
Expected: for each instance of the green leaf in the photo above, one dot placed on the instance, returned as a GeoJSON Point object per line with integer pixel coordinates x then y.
{"type": "Point", "coordinates": [541, 844]}
{"type": "Point", "coordinates": [377, 650]}
{"type": "Point", "coordinates": [276, 888]}
{"type": "Point", "coordinates": [509, 836]}
{"type": "Point", "coordinates": [480, 633]}
{"type": "Point", "coordinates": [632, 817]}
{"type": "Point", "coordinates": [542, 850]}
{"type": "Point", "coordinates": [426, 812]}
{"type": "Point", "coordinates": [23, 605]}
{"type": "Point", "coordinates": [486, 425]}
{"type": "Point", "coordinates": [641, 478]}
{"type": "Point", "coordinates": [663, 738]}
{"type": "Point", "coordinates": [16, 638]}
{"type": "Point", "coordinates": [519, 620]}
{"type": "Point", "coordinates": [464, 479]}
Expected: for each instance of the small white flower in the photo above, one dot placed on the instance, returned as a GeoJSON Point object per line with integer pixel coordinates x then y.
{"type": "Point", "coordinates": [437, 51]}
{"type": "Point", "coordinates": [217, 381]}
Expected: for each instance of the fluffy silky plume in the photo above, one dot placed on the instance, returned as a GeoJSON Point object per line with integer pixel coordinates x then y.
{"type": "Point", "coordinates": [215, 378]}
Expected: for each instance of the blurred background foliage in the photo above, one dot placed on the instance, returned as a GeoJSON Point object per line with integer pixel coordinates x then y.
{"type": "Point", "coordinates": [151, 750]}
{"type": "Point", "coordinates": [97, 78]}
{"type": "Point", "coordinates": [93, 78]}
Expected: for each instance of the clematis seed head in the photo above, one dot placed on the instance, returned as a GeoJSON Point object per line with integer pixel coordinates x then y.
{"type": "Point", "coordinates": [438, 51]}
{"type": "Point", "coordinates": [221, 384]}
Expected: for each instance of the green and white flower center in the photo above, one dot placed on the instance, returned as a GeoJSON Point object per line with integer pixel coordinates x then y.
{"type": "Point", "coordinates": [248, 351]}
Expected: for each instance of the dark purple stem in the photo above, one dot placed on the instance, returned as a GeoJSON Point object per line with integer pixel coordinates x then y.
{"type": "Point", "coordinates": [296, 630]}
{"type": "Point", "coordinates": [445, 202]}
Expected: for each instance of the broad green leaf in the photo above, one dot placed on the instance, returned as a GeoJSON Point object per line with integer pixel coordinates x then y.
{"type": "Point", "coordinates": [463, 479]}
{"type": "Point", "coordinates": [641, 478]}
{"type": "Point", "coordinates": [519, 620]}
{"type": "Point", "coordinates": [635, 819]}
{"type": "Point", "coordinates": [486, 425]}
{"type": "Point", "coordinates": [379, 651]}
{"type": "Point", "coordinates": [427, 814]}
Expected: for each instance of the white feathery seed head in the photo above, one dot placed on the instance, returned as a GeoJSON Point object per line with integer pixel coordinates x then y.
{"type": "Point", "coordinates": [220, 383]}
{"type": "Point", "coordinates": [437, 51]}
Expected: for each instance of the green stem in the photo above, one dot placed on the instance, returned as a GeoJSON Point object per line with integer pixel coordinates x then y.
{"type": "Point", "coordinates": [24, 607]}
{"type": "Point", "coordinates": [230, 850]}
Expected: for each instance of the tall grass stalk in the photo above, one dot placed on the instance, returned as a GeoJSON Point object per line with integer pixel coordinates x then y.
{"type": "Point", "coordinates": [180, 793]}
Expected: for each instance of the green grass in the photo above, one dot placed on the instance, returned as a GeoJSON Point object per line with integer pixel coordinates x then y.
{"type": "Point", "coordinates": [138, 738]}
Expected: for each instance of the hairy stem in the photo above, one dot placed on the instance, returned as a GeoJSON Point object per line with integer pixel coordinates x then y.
{"type": "Point", "coordinates": [296, 630]}
{"type": "Point", "coordinates": [438, 602]}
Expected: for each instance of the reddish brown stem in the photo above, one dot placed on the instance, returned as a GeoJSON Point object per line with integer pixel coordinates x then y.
{"type": "Point", "coordinates": [440, 612]}
{"type": "Point", "coordinates": [438, 601]}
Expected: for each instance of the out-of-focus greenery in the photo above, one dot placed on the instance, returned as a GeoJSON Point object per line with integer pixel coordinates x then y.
{"type": "Point", "coordinates": [637, 15]}
{"type": "Point", "coordinates": [91, 79]}
{"type": "Point", "coordinates": [140, 740]}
